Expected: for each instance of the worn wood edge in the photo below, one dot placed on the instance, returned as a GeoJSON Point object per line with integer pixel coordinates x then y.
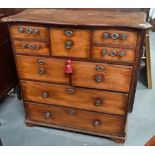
{"type": "Point", "coordinates": [109, 136]}
{"type": "Point", "coordinates": [9, 20]}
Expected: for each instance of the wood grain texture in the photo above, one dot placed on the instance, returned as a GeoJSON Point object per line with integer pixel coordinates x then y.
{"type": "Point", "coordinates": [84, 17]}
{"type": "Point", "coordinates": [80, 119]}
{"type": "Point", "coordinates": [128, 58]}
{"type": "Point", "coordinates": [115, 77]}
{"type": "Point", "coordinates": [41, 36]}
{"type": "Point", "coordinates": [43, 48]}
{"type": "Point", "coordinates": [130, 42]}
{"type": "Point", "coordinates": [80, 40]}
{"type": "Point", "coordinates": [28, 68]}
{"type": "Point", "coordinates": [114, 103]}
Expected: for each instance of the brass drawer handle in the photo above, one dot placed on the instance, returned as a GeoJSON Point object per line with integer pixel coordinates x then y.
{"type": "Point", "coordinates": [98, 102]}
{"type": "Point", "coordinates": [41, 62]}
{"type": "Point", "coordinates": [20, 29]}
{"type": "Point", "coordinates": [103, 52]}
{"type": "Point", "coordinates": [113, 53]}
{"type": "Point", "coordinates": [106, 35]}
{"type": "Point", "coordinates": [99, 78]}
{"type": "Point", "coordinates": [44, 95]}
{"type": "Point", "coordinates": [71, 112]}
{"type": "Point", "coordinates": [114, 36]}
{"type": "Point", "coordinates": [121, 54]}
{"type": "Point", "coordinates": [70, 90]}
{"type": "Point", "coordinates": [68, 33]}
{"type": "Point", "coordinates": [124, 36]}
{"type": "Point", "coordinates": [42, 71]}
{"type": "Point", "coordinates": [68, 44]}
{"type": "Point", "coordinates": [29, 30]}
{"type": "Point", "coordinates": [47, 115]}
{"type": "Point", "coordinates": [96, 123]}
{"type": "Point", "coordinates": [99, 68]}
{"type": "Point", "coordinates": [32, 46]}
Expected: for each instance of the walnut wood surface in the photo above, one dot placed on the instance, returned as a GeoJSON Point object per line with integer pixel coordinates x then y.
{"type": "Point", "coordinates": [80, 119]}
{"type": "Point", "coordinates": [43, 48]}
{"type": "Point", "coordinates": [97, 54]}
{"type": "Point", "coordinates": [28, 68]}
{"type": "Point", "coordinates": [115, 77]}
{"type": "Point", "coordinates": [80, 40]}
{"type": "Point", "coordinates": [82, 17]}
{"type": "Point", "coordinates": [114, 103]}
{"type": "Point", "coordinates": [41, 36]}
{"type": "Point", "coordinates": [130, 42]}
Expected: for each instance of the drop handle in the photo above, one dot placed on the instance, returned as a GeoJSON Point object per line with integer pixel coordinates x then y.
{"type": "Point", "coordinates": [68, 33]}
{"type": "Point", "coordinates": [114, 36]}
{"type": "Point", "coordinates": [96, 123]}
{"type": "Point", "coordinates": [44, 94]}
{"type": "Point", "coordinates": [99, 78]}
{"type": "Point", "coordinates": [70, 90]}
{"type": "Point", "coordinates": [68, 44]}
{"type": "Point", "coordinates": [98, 102]}
{"type": "Point", "coordinates": [71, 112]}
{"type": "Point", "coordinates": [42, 71]}
{"type": "Point", "coordinates": [47, 115]}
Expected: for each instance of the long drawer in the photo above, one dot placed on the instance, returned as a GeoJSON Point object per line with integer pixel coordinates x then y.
{"type": "Point", "coordinates": [88, 99]}
{"type": "Point", "coordinates": [85, 74]}
{"type": "Point", "coordinates": [74, 118]}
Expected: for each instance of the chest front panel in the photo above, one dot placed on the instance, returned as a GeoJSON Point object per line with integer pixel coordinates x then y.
{"type": "Point", "coordinates": [98, 89]}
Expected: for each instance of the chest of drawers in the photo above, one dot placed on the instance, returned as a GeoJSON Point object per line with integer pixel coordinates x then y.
{"type": "Point", "coordinates": [78, 68]}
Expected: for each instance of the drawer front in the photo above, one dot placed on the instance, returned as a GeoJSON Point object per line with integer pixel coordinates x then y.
{"type": "Point", "coordinates": [32, 48]}
{"type": "Point", "coordinates": [113, 54]}
{"type": "Point", "coordinates": [102, 76]}
{"type": "Point", "coordinates": [29, 32]}
{"type": "Point", "coordinates": [42, 69]}
{"type": "Point", "coordinates": [75, 42]}
{"type": "Point", "coordinates": [74, 118]}
{"type": "Point", "coordinates": [115, 37]}
{"type": "Point", "coordinates": [94, 100]}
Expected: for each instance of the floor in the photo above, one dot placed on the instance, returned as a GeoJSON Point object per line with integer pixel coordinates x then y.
{"type": "Point", "coordinates": [141, 122]}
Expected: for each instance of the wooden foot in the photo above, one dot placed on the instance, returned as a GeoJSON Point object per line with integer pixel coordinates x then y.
{"type": "Point", "coordinates": [29, 124]}
{"type": "Point", "coordinates": [119, 141]}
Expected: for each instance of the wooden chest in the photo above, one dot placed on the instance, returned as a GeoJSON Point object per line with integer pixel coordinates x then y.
{"type": "Point", "coordinates": [78, 68]}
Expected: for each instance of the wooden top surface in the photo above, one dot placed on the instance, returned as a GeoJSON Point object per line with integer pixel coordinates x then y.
{"type": "Point", "coordinates": [83, 17]}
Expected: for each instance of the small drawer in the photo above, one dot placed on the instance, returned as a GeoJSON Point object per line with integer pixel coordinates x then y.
{"type": "Point", "coordinates": [113, 54]}
{"type": "Point", "coordinates": [102, 76]}
{"type": "Point", "coordinates": [88, 99]}
{"type": "Point", "coordinates": [75, 119]}
{"type": "Point", "coordinates": [28, 32]}
{"type": "Point", "coordinates": [32, 48]}
{"type": "Point", "coordinates": [42, 69]}
{"type": "Point", "coordinates": [115, 37]}
{"type": "Point", "coordinates": [71, 42]}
